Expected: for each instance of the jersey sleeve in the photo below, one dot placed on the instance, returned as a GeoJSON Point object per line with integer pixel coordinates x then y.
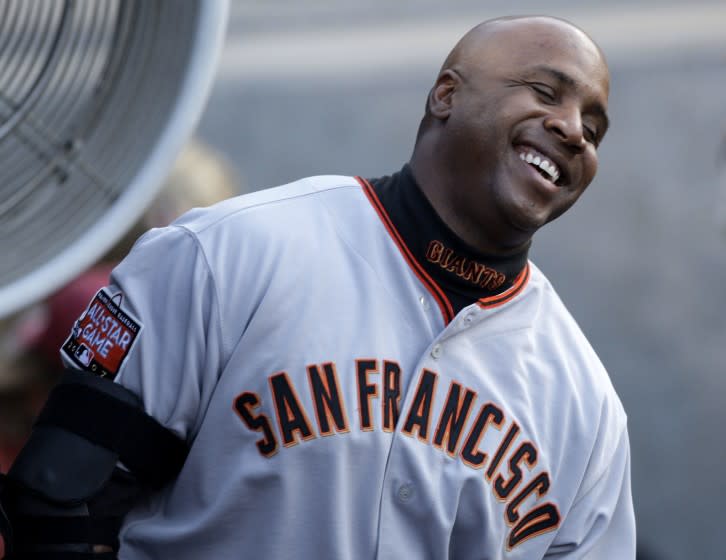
{"type": "Point", "coordinates": [163, 299]}
{"type": "Point", "coordinates": [601, 523]}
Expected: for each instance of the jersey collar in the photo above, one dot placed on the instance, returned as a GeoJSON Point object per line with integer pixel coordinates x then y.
{"type": "Point", "coordinates": [454, 272]}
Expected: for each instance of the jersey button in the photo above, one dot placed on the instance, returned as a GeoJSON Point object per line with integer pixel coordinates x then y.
{"type": "Point", "coordinates": [405, 492]}
{"type": "Point", "coordinates": [436, 351]}
{"type": "Point", "coordinates": [424, 303]}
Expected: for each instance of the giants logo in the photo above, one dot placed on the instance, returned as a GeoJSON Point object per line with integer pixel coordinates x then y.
{"type": "Point", "coordinates": [472, 271]}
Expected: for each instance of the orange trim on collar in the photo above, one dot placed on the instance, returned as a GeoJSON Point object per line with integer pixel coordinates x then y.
{"type": "Point", "coordinates": [443, 302]}
{"type": "Point", "coordinates": [520, 282]}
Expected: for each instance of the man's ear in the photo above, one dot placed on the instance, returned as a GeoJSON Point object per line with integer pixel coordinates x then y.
{"type": "Point", "coordinates": [441, 95]}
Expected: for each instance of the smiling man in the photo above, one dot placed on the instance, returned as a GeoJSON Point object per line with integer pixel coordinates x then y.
{"type": "Point", "coordinates": [344, 368]}
{"type": "Point", "coordinates": [513, 90]}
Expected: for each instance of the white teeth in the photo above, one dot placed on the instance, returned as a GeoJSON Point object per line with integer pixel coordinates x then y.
{"type": "Point", "coordinates": [550, 168]}
{"type": "Point", "coordinates": [543, 163]}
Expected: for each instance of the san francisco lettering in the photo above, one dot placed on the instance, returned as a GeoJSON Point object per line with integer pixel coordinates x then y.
{"type": "Point", "coordinates": [456, 428]}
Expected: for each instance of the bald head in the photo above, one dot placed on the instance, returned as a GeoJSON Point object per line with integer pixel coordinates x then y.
{"type": "Point", "coordinates": [481, 43]}
{"type": "Point", "coordinates": [471, 45]}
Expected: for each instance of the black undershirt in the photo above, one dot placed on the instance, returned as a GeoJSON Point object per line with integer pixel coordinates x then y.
{"type": "Point", "coordinates": [463, 273]}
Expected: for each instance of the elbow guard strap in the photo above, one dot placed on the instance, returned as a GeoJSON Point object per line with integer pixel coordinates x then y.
{"type": "Point", "coordinates": [64, 489]}
{"type": "Point", "coordinates": [87, 426]}
{"type": "Point", "coordinates": [149, 450]}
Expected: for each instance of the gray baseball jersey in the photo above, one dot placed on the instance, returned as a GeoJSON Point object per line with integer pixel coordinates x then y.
{"type": "Point", "coordinates": [336, 404]}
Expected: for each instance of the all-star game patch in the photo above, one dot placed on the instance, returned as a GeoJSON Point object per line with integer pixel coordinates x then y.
{"type": "Point", "coordinates": [102, 337]}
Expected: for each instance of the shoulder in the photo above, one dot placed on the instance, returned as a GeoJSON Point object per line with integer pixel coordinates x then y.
{"type": "Point", "coordinates": [254, 230]}
{"type": "Point", "coordinates": [550, 317]}
{"type": "Point", "coordinates": [562, 341]}
{"type": "Point", "coordinates": [280, 223]}
{"type": "Point", "coordinates": [297, 199]}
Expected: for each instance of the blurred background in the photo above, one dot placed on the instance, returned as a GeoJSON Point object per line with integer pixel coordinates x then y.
{"type": "Point", "coordinates": [320, 86]}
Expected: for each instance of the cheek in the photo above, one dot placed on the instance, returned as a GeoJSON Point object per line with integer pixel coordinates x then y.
{"type": "Point", "coordinates": [590, 164]}
{"type": "Point", "coordinates": [592, 158]}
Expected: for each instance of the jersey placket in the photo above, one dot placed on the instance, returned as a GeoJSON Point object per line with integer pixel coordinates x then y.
{"type": "Point", "coordinates": [405, 490]}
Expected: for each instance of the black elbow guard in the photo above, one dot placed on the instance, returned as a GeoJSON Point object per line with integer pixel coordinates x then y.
{"type": "Point", "coordinates": [64, 493]}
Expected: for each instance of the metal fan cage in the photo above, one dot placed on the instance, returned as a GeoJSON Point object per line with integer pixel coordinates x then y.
{"type": "Point", "coordinates": [96, 100]}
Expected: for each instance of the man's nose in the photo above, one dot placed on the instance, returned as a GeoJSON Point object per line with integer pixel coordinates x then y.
{"type": "Point", "coordinates": [566, 124]}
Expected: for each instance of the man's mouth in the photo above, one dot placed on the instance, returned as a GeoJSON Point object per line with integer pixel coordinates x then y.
{"type": "Point", "coordinates": [545, 166]}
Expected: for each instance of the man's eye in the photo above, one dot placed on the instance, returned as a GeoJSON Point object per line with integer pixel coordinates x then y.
{"type": "Point", "coordinates": [591, 135]}
{"type": "Point", "coordinates": [544, 90]}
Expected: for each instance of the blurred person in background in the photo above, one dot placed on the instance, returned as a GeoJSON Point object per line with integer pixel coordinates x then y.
{"type": "Point", "coordinates": [30, 360]}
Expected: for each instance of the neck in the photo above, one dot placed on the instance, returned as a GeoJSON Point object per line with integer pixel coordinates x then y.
{"type": "Point", "coordinates": [435, 185]}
